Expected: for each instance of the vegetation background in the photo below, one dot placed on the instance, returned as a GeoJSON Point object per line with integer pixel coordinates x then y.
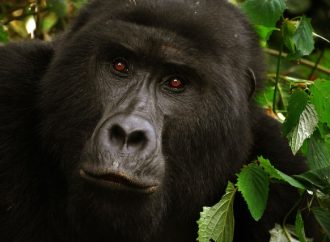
{"type": "Point", "coordinates": [295, 37]}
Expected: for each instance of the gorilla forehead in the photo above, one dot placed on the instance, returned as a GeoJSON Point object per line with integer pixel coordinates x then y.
{"type": "Point", "coordinates": [208, 25]}
{"type": "Point", "coordinates": [148, 44]}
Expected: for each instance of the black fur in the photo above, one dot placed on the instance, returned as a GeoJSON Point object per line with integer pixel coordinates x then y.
{"type": "Point", "coordinates": [55, 99]}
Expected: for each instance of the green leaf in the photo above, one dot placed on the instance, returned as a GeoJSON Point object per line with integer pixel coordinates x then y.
{"type": "Point", "coordinates": [265, 97]}
{"type": "Point", "coordinates": [264, 12]}
{"type": "Point", "coordinates": [322, 216]}
{"type": "Point", "coordinates": [48, 22]}
{"type": "Point", "coordinates": [316, 179]}
{"type": "Point", "coordinates": [3, 35]}
{"type": "Point", "coordinates": [297, 104]}
{"type": "Point", "coordinates": [289, 28]}
{"type": "Point", "coordinates": [217, 222]}
{"type": "Point", "coordinates": [253, 183]}
{"type": "Point", "coordinates": [303, 37]}
{"type": "Point", "coordinates": [318, 155]}
{"type": "Point", "coordinates": [324, 131]}
{"type": "Point", "coordinates": [320, 98]}
{"type": "Point", "coordinates": [300, 230]}
{"type": "Point", "coordinates": [305, 128]}
{"type": "Point", "coordinates": [264, 32]}
{"type": "Point", "coordinates": [276, 174]}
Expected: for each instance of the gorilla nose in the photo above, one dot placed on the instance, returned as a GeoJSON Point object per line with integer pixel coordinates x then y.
{"type": "Point", "coordinates": [128, 134]}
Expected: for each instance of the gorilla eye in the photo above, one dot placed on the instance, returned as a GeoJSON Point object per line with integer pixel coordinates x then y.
{"type": "Point", "coordinates": [120, 66]}
{"type": "Point", "coordinates": [175, 84]}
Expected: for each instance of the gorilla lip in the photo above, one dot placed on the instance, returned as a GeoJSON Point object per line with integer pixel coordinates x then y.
{"type": "Point", "coordinates": [118, 181]}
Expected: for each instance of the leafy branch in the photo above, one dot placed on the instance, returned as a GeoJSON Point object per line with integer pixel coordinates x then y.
{"type": "Point", "coordinates": [301, 61]}
{"type": "Point", "coordinates": [306, 126]}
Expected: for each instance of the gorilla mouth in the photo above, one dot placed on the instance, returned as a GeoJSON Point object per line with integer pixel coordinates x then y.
{"type": "Point", "coordinates": [119, 182]}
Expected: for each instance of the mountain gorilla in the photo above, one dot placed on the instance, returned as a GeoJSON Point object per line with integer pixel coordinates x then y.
{"type": "Point", "coordinates": [128, 124]}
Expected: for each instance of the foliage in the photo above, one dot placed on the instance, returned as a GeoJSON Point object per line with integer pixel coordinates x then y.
{"type": "Point", "coordinates": [217, 223]}
{"type": "Point", "coordinates": [297, 93]}
{"type": "Point", "coordinates": [303, 103]}
{"type": "Point", "coordinates": [253, 183]}
{"type": "Point", "coordinates": [35, 18]}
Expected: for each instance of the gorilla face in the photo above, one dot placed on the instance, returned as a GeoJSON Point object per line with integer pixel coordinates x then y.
{"type": "Point", "coordinates": [144, 105]}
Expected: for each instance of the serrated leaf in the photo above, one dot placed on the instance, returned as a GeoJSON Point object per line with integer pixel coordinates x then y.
{"type": "Point", "coordinates": [300, 228]}
{"type": "Point", "coordinates": [316, 179]}
{"type": "Point", "coordinates": [297, 104]}
{"type": "Point", "coordinates": [322, 216]}
{"type": "Point", "coordinates": [217, 222]}
{"type": "Point", "coordinates": [307, 124]}
{"type": "Point", "coordinates": [277, 234]}
{"type": "Point", "coordinates": [264, 12]}
{"type": "Point", "coordinates": [320, 98]}
{"type": "Point", "coordinates": [318, 155]}
{"type": "Point", "coordinates": [253, 183]}
{"type": "Point", "coordinates": [276, 174]}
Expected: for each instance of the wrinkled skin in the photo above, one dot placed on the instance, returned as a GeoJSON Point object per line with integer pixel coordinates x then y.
{"type": "Point", "coordinates": [129, 123]}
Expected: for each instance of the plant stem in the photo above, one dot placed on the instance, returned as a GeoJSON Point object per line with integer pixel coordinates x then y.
{"type": "Point", "coordinates": [301, 61]}
{"type": "Point", "coordinates": [316, 64]}
{"type": "Point", "coordinates": [294, 207]}
{"type": "Point", "coordinates": [277, 77]}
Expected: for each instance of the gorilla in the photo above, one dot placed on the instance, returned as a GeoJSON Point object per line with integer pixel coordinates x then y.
{"type": "Point", "coordinates": [131, 121]}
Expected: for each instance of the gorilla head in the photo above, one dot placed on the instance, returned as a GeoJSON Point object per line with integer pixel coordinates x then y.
{"type": "Point", "coordinates": [146, 110]}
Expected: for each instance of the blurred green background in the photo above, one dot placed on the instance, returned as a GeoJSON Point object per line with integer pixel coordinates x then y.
{"type": "Point", "coordinates": [40, 19]}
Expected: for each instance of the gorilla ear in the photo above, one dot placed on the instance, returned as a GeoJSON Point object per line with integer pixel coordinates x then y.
{"type": "Point", "coordinates": [253, 82]}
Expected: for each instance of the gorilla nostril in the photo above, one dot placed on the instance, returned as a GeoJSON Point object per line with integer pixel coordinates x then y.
{"type": "Point", "coordinates": [127, 135]}
{"type": "Point", "coordinates": [117, 135]}
{"type": "Point", "coordinates": [137, 138]}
